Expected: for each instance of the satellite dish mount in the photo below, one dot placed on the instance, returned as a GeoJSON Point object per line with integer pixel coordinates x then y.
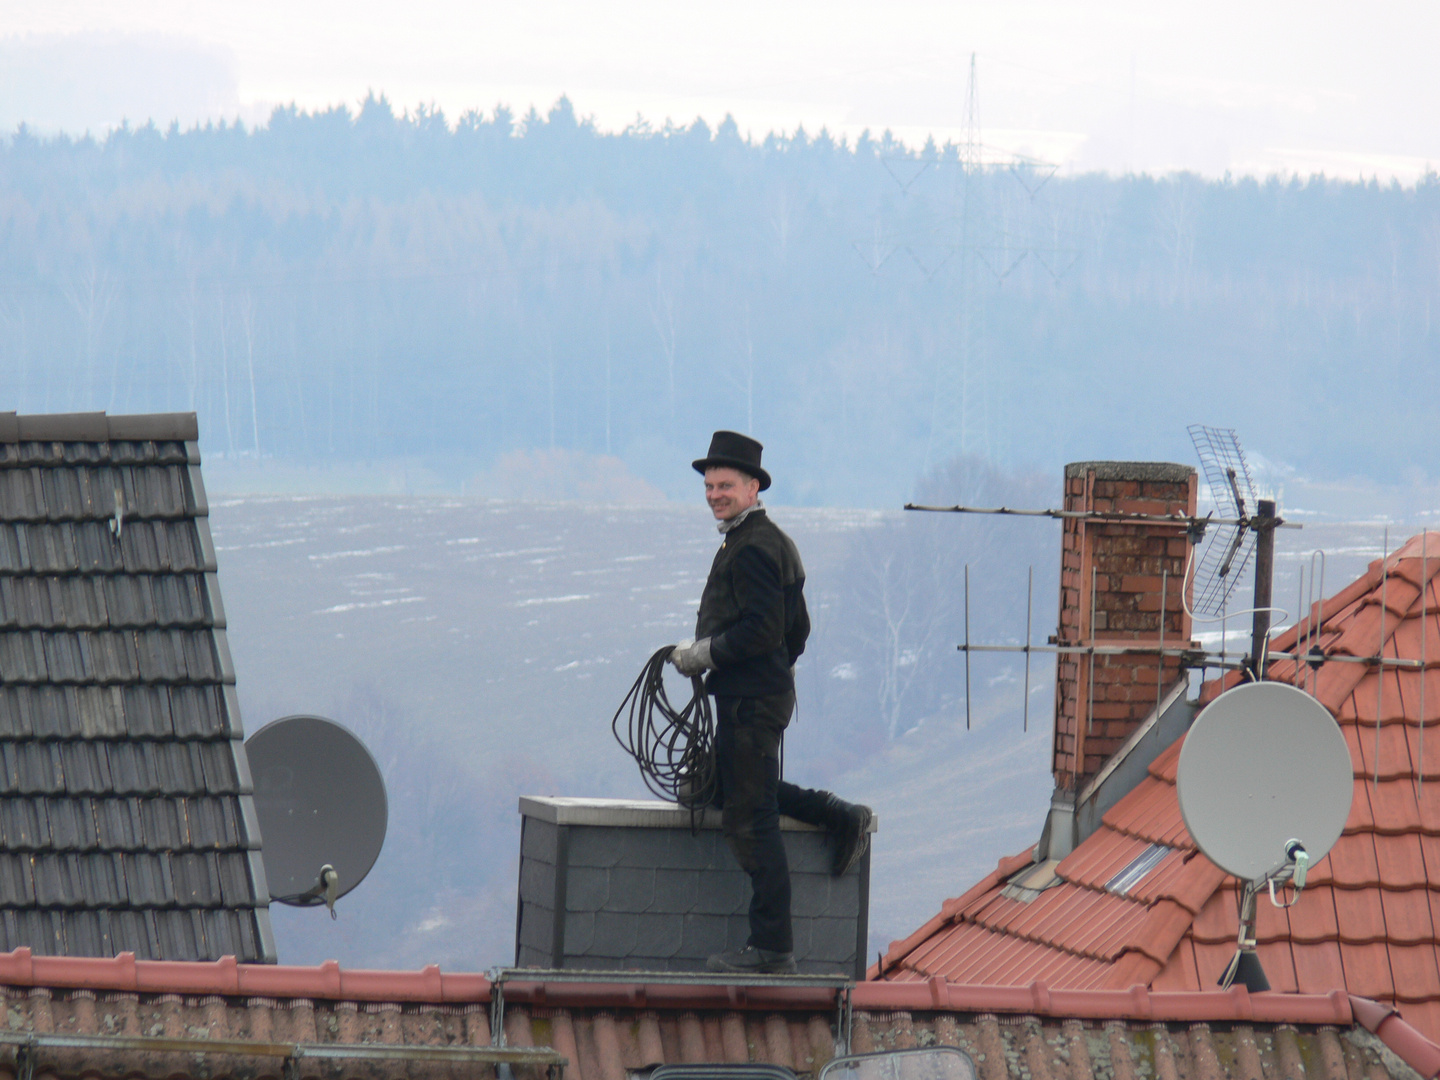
{"type": "Point", "coordinates": [1244, 966]}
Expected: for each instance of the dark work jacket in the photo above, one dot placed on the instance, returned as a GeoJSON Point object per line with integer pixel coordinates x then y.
{"type": "Point", "coordinates": [753, 611]}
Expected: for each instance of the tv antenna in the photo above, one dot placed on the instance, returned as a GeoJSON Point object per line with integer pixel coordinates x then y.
{"type": "Point", "coordinates": [1265, 782]}
{"type": "Point", "coordinates": [1241, 530]}
{"type": "Point", "coordinates": [322, 809]}
{"type": "Point", "coordinates": [1228, 551]}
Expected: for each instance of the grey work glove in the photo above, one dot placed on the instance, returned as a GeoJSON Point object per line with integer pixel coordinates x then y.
{"type": "Point", "coordinates": [692, 659]}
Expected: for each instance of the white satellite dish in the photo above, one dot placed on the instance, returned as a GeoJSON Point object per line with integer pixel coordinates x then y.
{"type": "Point", "coordinates": [1265, 781]}
{"type": "Point", "coordinates": [1264, 764]}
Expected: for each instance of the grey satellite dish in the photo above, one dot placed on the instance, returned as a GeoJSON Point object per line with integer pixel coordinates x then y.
{"type": "Point", "coordinates": [1264, 764]}
{"type": "Point", "coordinates": [322, 808]}
{"type": "Point", "coordinates": [1265, 782]}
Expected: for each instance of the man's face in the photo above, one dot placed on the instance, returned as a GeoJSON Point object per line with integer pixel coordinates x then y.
{"type": "Point", "coordinates": [730, 492]}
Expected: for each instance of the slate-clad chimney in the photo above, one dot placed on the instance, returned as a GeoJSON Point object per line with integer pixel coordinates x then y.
{"type": "Point", "coordinates": [1126, 564]}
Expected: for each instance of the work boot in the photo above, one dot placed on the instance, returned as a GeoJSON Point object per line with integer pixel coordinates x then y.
{"type": "Point", "coordinates": [752, 961]}
{"type": "Point", "coordinates": [849, 828]}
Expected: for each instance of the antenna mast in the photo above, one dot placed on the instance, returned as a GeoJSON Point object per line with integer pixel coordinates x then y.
{"type": "Point", "coordinates": [970, 152]}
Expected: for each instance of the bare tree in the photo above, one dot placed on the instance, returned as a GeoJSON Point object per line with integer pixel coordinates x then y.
{"type": "Point", "coordinates": [744, 381]}
{"type": "Point", "coordinates": [1176, 218]}
{"type": "Point", "coordinates": [225, 376]}
{"type": "Point", "coordinates": [662, 317]}
{"type": "Point", "coordinates": [247, 324]}
{"type": "Point", "coordinates": [91, 296]}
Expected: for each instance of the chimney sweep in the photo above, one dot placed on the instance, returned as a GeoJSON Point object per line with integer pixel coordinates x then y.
{"type": "Point", "coordinates": [750, 630]}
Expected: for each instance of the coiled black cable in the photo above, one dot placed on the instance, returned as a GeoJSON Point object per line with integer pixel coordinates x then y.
{"type": "Point", "coordinates": [675, 748]}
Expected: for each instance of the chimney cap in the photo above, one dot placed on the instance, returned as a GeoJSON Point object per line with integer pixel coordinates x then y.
{"type": "Point", "coordinates": [1164, 471]}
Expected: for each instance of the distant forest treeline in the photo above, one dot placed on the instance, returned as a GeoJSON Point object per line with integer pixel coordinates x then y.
{"type": "Point", "coordinates": [350, 287]}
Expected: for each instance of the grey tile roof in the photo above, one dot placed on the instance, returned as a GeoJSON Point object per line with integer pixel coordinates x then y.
{"type": "Point", "coordinates": [126, 816]}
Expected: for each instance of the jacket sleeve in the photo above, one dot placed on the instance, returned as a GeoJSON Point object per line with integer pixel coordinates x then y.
{"type": "Point", "coordinates": [799, 630]}
{"type": "Point", "coordinates": [760, 597]}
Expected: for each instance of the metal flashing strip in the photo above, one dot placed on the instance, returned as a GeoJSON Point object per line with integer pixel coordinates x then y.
{"type": "Point", "coordinates": [1132, 874]}
{"type": "Point", "coordinates": [635, 813]}
{"type": "Point", "coordinates": [1098, 781]}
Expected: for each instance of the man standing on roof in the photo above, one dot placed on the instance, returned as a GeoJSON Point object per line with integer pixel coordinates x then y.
{"type": "Point", "coordinates": [750, 630]}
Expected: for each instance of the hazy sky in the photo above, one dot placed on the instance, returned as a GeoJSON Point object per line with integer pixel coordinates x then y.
{"type": "Point", "coordinates": [1278, 86]}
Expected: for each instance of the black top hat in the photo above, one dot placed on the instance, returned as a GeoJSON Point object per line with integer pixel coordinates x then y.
{"type": "Point", "coordinates": [731, 450]}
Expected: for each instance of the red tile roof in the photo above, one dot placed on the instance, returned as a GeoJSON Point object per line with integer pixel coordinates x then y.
{"type": "Point", "coordinates": [1368, 923]}
{"type": "Point", "coordinates": [607, 1031]}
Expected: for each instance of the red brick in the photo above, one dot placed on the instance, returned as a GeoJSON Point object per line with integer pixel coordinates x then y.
{"type": "Point", "coordinates": [1143, 506]}
{"type": "Point", "coordinates": [1110, 711]}
{"type": "Point", "coordinates": [1141, 583]}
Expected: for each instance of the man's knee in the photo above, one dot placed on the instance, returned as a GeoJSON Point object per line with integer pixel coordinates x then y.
{"type": "Point", "coordinates": [738, 825]}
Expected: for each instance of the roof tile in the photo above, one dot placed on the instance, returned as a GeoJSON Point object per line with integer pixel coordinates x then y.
{"type": "Point", "coordinates": [1394, 805]}
{"type": "Point", "coordinates": [1164, 925]}
{"type": "Point", "coordinates": [1166, 763]}
{"type": "Point", "coordinates": [1416, 969]}
{"type": "Point", "coordinates": [1359, 917]}
{"type": "Point", "coordinates": [1414, 738]}
{"type": "Point", "coordinates": [72, 823]}
{"type": "Point", "coordinates": [1094, 863]}
{"type": "Point", "coordinates": [148, 880]}
{"type": "Point", "coordinates": [1172, 877]}
{"type": "Point", "coordinates": [162, 824]}
{"type": "Point", "coordinates": [17, 886]}
{"type": "Point", "coordinates": [1313, 916]}
{"type": "Point", "coordinates": [1361, 634]}
{"type": "Point", "coordinates": [23, 824]}
{"type": "Point", "coordinates": [1150, 812]}
{"type": "Point", "coordinates": [197, 879]}
{"type": "Point", "coordinates": [1351, 862]}
{"type": "Point", "coordinates": [1430, 851]}
{"type": "Point", "coordinates": [1278, 960]}
{"type": "Point", "coordinates": [1271, 923]}
{"type": "Point", "coordinates": [1318, 967]}
{"type": "Point", "coordinates": [1393, 751]}
{"type": "Point", "coordinates": [1367, 969]}
{"type": "Point", "coordinates": [1422, 1015]}
{"type": "Point", "coordinates": [1217, 921]}
{"type": "Point", "coordinates": [1390, 704]}
{"type": "Point", "coordinates": [117, 824]}
{"type": "Point", "coordinates": [1179, 972]}
{"type": "Point", "coordinates": [1361, 819]}
{"type": "Point", "coordinates": [1400, 861]}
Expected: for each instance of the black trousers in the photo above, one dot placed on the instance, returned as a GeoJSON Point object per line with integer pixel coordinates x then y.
{"type": "Point", "coordinates": [751, 798]}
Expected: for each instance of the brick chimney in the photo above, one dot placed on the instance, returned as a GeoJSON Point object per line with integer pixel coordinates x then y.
{"type": "Point", "coordinates": [1125, 564]}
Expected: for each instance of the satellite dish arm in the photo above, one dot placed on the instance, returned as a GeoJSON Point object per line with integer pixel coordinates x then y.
{"type": "Point", "coordinates": [325, 890]}
{"type": "Point", "coordinates": [1297, 865]}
